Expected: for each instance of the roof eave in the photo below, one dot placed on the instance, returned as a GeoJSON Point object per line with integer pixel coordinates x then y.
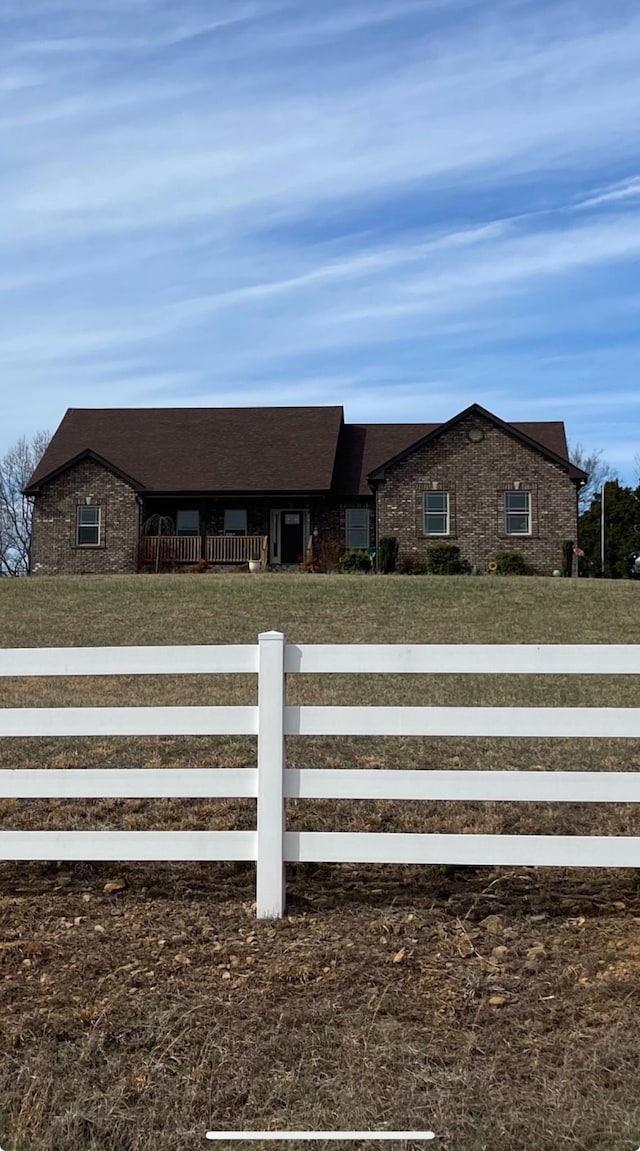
{"type": "Point", "coordinates": [378, 475]}
{"type": "Point", "coordinates": [222, 493]}
{"type": "Point", "coordinates": [87, 453]}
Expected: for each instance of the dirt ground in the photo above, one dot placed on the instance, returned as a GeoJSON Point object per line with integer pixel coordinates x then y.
{"type": "Point", "coordinates": [143, 1004]}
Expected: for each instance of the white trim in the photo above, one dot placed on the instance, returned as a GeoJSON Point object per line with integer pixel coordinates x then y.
{"type": "Point", "coordinates": [425, 513]}
{"type": "Point", "coordinates": [274, 536]}
{"type": "Point", "coordinates": [83, 508]}
{"type": "Point", "coordinates": [275, 533]}
{"type": "Point", "coordinates": [528, 513]}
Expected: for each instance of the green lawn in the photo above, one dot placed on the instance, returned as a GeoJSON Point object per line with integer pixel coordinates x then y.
{"type": "Point", "coordinates": [322, 609]}
{"type": "Point", "coordinates": [497, 1007]}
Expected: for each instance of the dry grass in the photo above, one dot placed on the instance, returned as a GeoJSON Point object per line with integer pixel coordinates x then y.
{"type": "Point", "coordinates": [137, 1019]}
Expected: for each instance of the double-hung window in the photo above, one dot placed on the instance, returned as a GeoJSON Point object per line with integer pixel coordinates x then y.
{"type": "Point", "coordinates": [235, 522]}
{"type": "Point", "coordinates": [517, 513]}
{"type": "Point", "coordinates": [436, 513]}
{"type": "Point", "coordinates": [88, 523]}
{"type": "Point", "coordinates": [188, 522]}
{"type": "Point", "coordinates": [356, 522]}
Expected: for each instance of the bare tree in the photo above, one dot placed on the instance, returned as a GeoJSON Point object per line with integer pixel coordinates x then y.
{"type": "Point", "coordinates": [599, 472]}
{"type": "Point", "coordinates": [16, 468]}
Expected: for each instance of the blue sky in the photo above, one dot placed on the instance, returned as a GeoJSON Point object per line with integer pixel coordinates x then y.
{"type": "Point", "coordinates": [403, 206]}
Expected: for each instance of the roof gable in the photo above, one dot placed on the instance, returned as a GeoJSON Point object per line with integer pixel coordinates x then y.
{"type": "Point", "coordinates": [87, 454]}
{"type": "Point", "coordinates": [518, 431]}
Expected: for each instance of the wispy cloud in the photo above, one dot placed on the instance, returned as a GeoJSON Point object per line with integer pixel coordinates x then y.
{"type": "Point", "coordinates": [624, 190]}
{"type": "Point", "coordinates": [397, 205]}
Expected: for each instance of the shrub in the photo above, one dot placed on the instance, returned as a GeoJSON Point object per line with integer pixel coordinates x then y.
{"type": "Point", "coordinates": [510, 563]}
{"type": "Point", "coordinates": [410, 564]}
{"type": "Point", "coordinates": [444, 559]}
{"type": "Point", "coordinates": [356, 561]}
{"type": "Point", "coordinates": [387, 554]}
{"type": "Point", "coordinates": [329, 551]}
{"type": "Point", "coordinates": [567, 557]}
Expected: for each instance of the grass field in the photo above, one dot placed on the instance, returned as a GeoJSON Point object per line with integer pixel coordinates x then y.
{"type": "Point", "coordinates": [496, 1007]}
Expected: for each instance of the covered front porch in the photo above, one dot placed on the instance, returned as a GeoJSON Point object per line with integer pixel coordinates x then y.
{"type": "Point", "coordinates": [189, 531]}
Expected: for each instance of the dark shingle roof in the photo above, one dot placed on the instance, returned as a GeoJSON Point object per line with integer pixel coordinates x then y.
{"type": "Point", "coordinates": [550, 434]}
{"type": "Point", "coordinates": [366, 447]}
{"type": "Point", "coordinates": [203, 449]}
{"type": "Point", "coordinates": [261, 450]}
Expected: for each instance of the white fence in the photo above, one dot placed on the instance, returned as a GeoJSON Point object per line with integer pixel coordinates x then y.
{"type": "Point", "coordinates": [271, 845]}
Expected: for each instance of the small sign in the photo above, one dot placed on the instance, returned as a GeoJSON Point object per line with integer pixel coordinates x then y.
{"type": "Point", "coordinates": [292, 517]}
{"type": "Point", "coordinates": [578, 552]}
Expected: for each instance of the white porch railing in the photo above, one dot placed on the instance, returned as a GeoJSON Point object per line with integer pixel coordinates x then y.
{"type": "Point", "coordinates": [271, 845]}
{"type": "Point", "coordinates": [170, 549]}
{"type": "Point", "coordinates": [236, 549]}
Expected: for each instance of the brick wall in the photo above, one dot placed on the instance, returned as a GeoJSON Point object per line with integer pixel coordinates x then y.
{"type": "Point", "coordinates": [54, 550]}
{"type": "Point", "coordinates": [476, 475]}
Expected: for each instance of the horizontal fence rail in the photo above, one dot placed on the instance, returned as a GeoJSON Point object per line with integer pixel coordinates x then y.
{"type": "Point", "coordinates": [526, 722]}
{"type": "Point", "coordinates": [138, 846]}
{"type": "Point", "coordinates": [73, 661]}
{"type": "Point", "coordinates": [94, 721]}
{"type": "Point", "coordinates": [464, 659]}
{"type": "Point", "coordinates": [501, 850]}
{"type": "Point", "coordinates": [129, 783]}
{"type": "Point", "coordinates": [530, 786]}
{"type": "Point", "coordinates": [271, 783]}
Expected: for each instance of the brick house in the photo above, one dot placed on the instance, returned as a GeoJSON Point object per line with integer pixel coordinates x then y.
{"type": "Point", "coordinates": [118, 489]}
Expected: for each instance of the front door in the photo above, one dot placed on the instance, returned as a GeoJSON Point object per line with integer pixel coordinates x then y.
{"type": "Point", "coordinates": [291, 537]}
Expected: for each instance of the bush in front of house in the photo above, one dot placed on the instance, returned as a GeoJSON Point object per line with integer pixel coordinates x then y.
{"type": "Point", "coordinates": [329, 550]}
{"type": "Point", "coordinates": [445, 559]}
{"type": "Point", "coordinates": [510, 563]}
{"type": "Point", "coordinates": [387, 554]}
{"type": "Point", "coordinates": [410, 564]}
{"type": "Point", "coordinates": [355, 561]}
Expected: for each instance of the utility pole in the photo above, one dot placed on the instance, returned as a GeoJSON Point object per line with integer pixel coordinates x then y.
{"type": "Point", "coordinates": [602, 528]}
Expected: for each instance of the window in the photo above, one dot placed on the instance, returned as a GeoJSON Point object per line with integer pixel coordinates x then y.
{"type": "Point", "coordinates": [188, 522]}
{"type": "Point", "coordinates": [436, 513]}
{"type": "Point", "coordinates": [235, 522]}
{"type": "Point", "coordinates": [357, 527]}
{"type": "Point", "coordinates": [88, 526]}
{"type": "Point", "coordinates": [517, 513]}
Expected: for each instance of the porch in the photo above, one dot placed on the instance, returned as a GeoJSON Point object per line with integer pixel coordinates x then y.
{"type": "Point", "coordinates": [274, 531]}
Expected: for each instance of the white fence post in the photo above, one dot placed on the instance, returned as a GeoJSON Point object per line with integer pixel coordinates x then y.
{"type": "Point", "coordinates": [270, 891]}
